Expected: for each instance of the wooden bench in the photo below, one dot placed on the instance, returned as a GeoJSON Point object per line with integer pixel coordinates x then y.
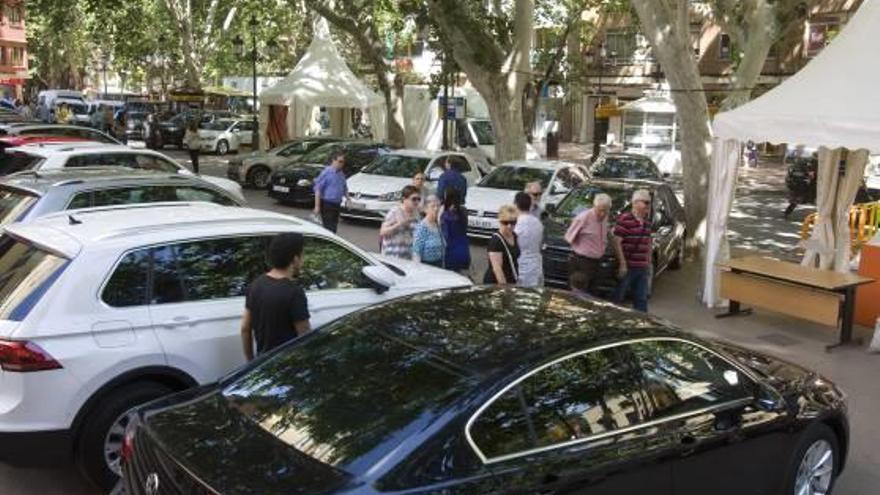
{"type": "Point", "coordinates": [821, 296]}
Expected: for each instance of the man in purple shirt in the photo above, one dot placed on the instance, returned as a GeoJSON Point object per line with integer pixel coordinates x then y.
{"type": "Point", "coordinates": [588, 237]}
{"type": "Point", "coordinates": [331, 191]}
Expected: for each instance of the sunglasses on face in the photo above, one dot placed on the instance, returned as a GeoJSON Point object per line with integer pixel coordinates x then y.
{"type": "Point", "coordinates": [508, 222]}
{"type": "Point", "coordinates": [415, 199]}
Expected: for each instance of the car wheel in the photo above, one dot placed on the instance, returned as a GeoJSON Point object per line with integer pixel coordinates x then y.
{"type": "Point", "coordinates": [678, 261]}
{"type": "Point", "coordinates": [816, 463]}
{"type": "Point", "coordinates": [100, 439]}
{"type": "Point", "coordinates": [259, 177]}
{"type": "Point", "coordinates": [222, 147]}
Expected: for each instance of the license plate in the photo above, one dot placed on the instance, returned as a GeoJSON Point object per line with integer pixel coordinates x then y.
{"type": "Point", "coordinates": [480, 223]}
{"type": "Point", "coordinates": [356, 206]}
{"type": "Point", "coordinates": [282, 189]}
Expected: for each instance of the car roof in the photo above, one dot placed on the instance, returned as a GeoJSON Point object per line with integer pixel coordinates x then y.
{"type": "Point", "coordinates": [423, 153]}
{"type": "Point", "coordinates": [41, 181]}
{"type": "Point", "coordinates": [621, 154]}
{"type": "Point", "coordinates": [78, 147]}
{"type": "Point", "coordinates": [540, 164]}
{"type": "Point", "coordinates": [615, 183]}
{"type": "Point", "coordinates": [68, 232]}
{"type": "Point", "coordinates": [527, 326]}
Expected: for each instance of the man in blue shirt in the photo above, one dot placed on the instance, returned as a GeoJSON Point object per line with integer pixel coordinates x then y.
{"type": "Point", "coordinates": [452, 178]}
{"type": "Point", "coordinates": [330, 191]}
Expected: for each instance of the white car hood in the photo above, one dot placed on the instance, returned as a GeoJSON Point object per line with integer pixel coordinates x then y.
{"type": "Point", "coordinates": [422, 275]}
{"type": "Point", "coordinates": [488, 199]}
{"type": "Point", "coordinates": [376, 184]}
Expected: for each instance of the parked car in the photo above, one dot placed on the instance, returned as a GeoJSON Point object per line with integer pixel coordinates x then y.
{"type": "Point", "coordinates": [28, 195]}
{"type": "Point", "coordinates": [668, 224]}
{"type": "Point", "coordinates": [87, 154]}
{"type": "Point", "coordinates": [224, 135]}
{"type": "Point", "coordinates": [73, 131]}
{"type": "Point", "coordinates": [502, 183]}
{"type": "Point", "coordinates": [801, 179]}
{"type": "Point", "coordinates": [497, 391]}
{"type": "Point", "coordinates": [48, 101]}
{"type": "Point", "coordinates": [294, 183]}
{"type": "Point", "coordinates": [255, 169]}
{"type": "Point", "coordinates": [625, 166]}
{"type": "Point", "coordinates": [105, 309]}
{"type": "Point", "coordinates": [171, 130]}
{"type": "Point", "coordinates": [134, 125]}
{"type": "Point", "coordinates": [872, 176]}
{"type": "Point", "coordinates": [374, 190]}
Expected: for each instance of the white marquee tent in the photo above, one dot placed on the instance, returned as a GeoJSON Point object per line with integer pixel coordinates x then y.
{"type": "Point", "coordinates": [831, 104]}
{"type": "Point", "coordinates": [321, 78]}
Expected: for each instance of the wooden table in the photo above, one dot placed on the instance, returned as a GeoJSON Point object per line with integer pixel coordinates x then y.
{"type": "Point", "coordinates": [822, 296]}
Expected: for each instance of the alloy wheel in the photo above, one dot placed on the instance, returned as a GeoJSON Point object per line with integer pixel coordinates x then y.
{"type": "Point", "coordinates": [816, 471]}
{"type": "Point", "coordinates": [222, 148]}
{"type": "Point", "coordinates": [260, 178]}
{"type": "Point", "coordinates": [113, 442]}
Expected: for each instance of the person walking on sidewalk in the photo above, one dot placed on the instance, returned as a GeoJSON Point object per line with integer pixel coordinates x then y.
{"type": "Point", "coordinates": [453, 224]}
{"type": "Point", "coordinates": [428, 245]}
{"type": "Point", "coordinates": [451, 179]}
{"type": "Point", "coordinates": [588, 237]}
{"type": "Point", "coordinates": [529, 235]}
{"type": "Point", "coordinates": [400, 222]}
{"type": "Point", "coordinates": [503, 250]}
{"type": "Point", "coordinates": [331, 191]}
{"type": "Point", "coordinates": [193, 144]}
{"type": "Point", "coordinates": [632, 239]}
{"type": "Point", "coordinates": [276, 309]}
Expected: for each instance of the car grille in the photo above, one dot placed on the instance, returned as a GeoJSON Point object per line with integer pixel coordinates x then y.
{"type": "Point", "coordinates": [357, 196]}
{"type": "Point", "coordinates": [486, 214]}
{"type": "Point", "coordinates": [149, 460]}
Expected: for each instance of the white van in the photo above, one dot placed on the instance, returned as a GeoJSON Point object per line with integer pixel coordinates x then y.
{"type": "Point", "coordinates": [49, 100]}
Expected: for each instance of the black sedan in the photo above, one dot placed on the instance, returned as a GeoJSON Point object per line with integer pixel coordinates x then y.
{"type": "Point", "coordinates": [625, 166]}
{"type": "Point", "coordinates": [293, 183]}
{"type": "Point", "coordinates": [668, 227]}
{"type": "Point", "coordinates": [501, 391]}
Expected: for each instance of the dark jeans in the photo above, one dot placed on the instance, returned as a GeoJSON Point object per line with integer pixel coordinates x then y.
{"type": "Point", "coordinates": [330, 215]}
{"type": "Point", "coordinates": [587, 267]}
{"type": "Point", "coordinates": [194, 158]}
{"type": "Point", "coordinates": [636, 280]}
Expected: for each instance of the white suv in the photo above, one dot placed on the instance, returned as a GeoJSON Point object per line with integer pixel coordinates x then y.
{"type": "Point", "coordinates": [104, 309]}
{"type": "Point", "coordinates": [46, 156]}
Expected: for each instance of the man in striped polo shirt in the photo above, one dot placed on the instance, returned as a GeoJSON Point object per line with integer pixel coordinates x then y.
{"type": "Point", "coordinates": [632, 236]}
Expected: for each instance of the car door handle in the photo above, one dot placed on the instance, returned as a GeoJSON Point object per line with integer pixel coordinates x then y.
{"type": "Point", "coordinates": [178, 321]}
{"type": "Point", "coordinates": [688, 444]}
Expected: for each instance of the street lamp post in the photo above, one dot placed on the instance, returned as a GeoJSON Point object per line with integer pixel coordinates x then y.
{"type": "Point", "coordinates": [239, 44]}
{"type": "Point", "coordinates": [102, 66]}
{"type": "Point", "coordinates": [596, 133]}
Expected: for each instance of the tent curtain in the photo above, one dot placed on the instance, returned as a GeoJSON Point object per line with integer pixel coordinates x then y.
{"type": "Point", "coordinates": [277, 130]}
{"type": "Point", "coordinates": [726, 157]}
{"type": "Point", "coordinates": [820, 245]}
{"type": "Point", "coordinates": [847, 189]}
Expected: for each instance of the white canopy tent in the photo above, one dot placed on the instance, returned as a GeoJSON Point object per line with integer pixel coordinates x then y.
{"type": "Point", "coordinates": [830, 104]}
{"type": "Point", "coordinates": [321, 78]}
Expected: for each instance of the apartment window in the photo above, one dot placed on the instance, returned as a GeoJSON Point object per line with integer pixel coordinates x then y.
{"type": "Point", "coordinates": [4, 57]}
{"type": "Point", "coordinates": [820, 34]}
{"type": "Point", "coordinates": [621, 46]}
{"type": "Point", "coordinates": [12, 14]}
{"type": "Point", "coordinates": [17, 55]}
{"type": "Point", "coordinates": [724, 47]}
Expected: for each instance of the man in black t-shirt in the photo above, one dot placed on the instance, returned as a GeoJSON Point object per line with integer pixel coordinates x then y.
{"type": "Point", "coordinates": [276, 309]}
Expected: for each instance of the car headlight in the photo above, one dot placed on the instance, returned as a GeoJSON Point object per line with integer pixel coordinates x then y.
{"type": "Point", "coordinates": [304, 183]}
{"type": "Point", "coordinates": [392, 196]}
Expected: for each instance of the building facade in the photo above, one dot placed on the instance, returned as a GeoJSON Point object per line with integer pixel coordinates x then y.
{"type": "Point", "coordinates": [13, 48]}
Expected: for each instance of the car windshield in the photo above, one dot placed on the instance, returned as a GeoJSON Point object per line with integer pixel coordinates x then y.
{"type": "Point", "coordinates": [581, 199]}
{"type": "Point", "coordinates": [319, 396]}
{"type": "Point", "coordinates": [26, 272]}
{"type": "Point", "coordinates": [515, 178]}
{"type": "Point", "coordinates": [625, 167]}
{"type": "Point", "coordinates": [14, 203]}
{"type": "Point", "coordinates": [483, 129]}
{"type": "Point", "coordinates": [17, 161]}
{"type": "Point", "coordinates": [321, 154]}
{"type": "Point", "coordinates": [217, 125]}
{"type": "Point", "coordinates": [397, 166]}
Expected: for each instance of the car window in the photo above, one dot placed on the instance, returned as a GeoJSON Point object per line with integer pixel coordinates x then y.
{"type": "Point", "coordinates": [680, 377]}
{"type": "Point", "coordinates": [515, 178]}
{"type": "Point", "coordinates": [167, 285]}
{"type": "Point", "coordinates": [100, 159]}
{"type": "Point", "coordinates": [155, 163]}
{"type": "Point", "coordinates": [569, 178]}
{"type": "Point", "coordinates": [328, 265]}
{"type": "Point", "coordinates": [16, 161]}
{"type": "Point", "coordinates": [628, 167]}
{"type": "Point", "coordinates": [246, 125]}
{"type": "Point", "coordinates": [200, 194]}
{"type": "Point", "coordinates": [128, 284]}
{"type": "Point", "coordinates": [293, 149]}
{"type": "Point", "coordinates": [397, 166]}
{"type": "Point", "coordinates": [26, 273]}
{"type": "Point", "coordinates": [14, 204]}
{"type": "Point", "coordinates": [92, 135]}
{"type": "Point", "coordinates": [219, 268]}
{"type": "Point", "coordinates": [578, 397]}
{"type": "Point", "coordinates": [459, 163]}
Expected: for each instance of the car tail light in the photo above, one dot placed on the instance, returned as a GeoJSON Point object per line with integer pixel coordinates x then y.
{"type": "Point", "coordinates": [127, 449]}
{"type": "Point", "coordinates": [22, 356]}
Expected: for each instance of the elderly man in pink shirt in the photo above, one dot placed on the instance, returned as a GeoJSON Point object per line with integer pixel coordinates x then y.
{"type": "Point", "coordinates": [588, 237]}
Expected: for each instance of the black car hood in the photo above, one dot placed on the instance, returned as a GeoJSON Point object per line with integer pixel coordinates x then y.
{"type": "Point", "coordinates": [233, 455]}
{"type": "Point", "coordinates": [554, 232]}
{"type": "Point", "coordinates": [299, 170]}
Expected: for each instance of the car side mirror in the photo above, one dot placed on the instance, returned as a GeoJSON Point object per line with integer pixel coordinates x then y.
{"type": "Point", "coordinates": [379, 277]}
{"type": "Point", "coordinates": [666, 175]}
{"type": "Point", "coordinates": [768, 399]}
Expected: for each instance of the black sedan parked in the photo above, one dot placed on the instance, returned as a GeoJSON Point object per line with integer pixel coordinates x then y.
{"type": "Point", "coordinates": [501, 391]}
{"type": "Point", "coordinates": [625, 166]}
{"type": "Point", "coordinates": [668, 226]}
{"type": "Point", "coordinates": [293, 183]}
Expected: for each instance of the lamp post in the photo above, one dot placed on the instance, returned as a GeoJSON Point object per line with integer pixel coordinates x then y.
{"type": "Point", "coordinates": [102, 66]}
{"type": "Point", "coordinates": [240, 48]}
{"type": "Point", "coordinates": [596, 134]}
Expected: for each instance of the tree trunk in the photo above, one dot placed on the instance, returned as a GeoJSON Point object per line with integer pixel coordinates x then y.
{"type": "Point", "coordinates": [392, 90]}
{"type": "Point", "coordinates": [669, 34]}
{"type": "Point", "coordinates": [760, 33]}
{"type": "Point", "coordinates": [505, 110]}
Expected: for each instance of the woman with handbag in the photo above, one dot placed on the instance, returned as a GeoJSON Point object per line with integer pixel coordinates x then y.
{"type": "Point", "coordinates": [503, 250]}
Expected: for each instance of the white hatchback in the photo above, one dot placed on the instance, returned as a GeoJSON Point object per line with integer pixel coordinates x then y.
{"type": "Point", "coordinates": [53, 156]}
{"type": "Point", "coordinates": [374, 190]}
{"type": "Point", "coordinates": [225, 135]}
{"type": "Point", "coordinates": [104, 309]}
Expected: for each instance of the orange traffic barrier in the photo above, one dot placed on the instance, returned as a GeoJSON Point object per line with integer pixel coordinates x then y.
{"type": "Point", "coordinates": [864, 221]}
